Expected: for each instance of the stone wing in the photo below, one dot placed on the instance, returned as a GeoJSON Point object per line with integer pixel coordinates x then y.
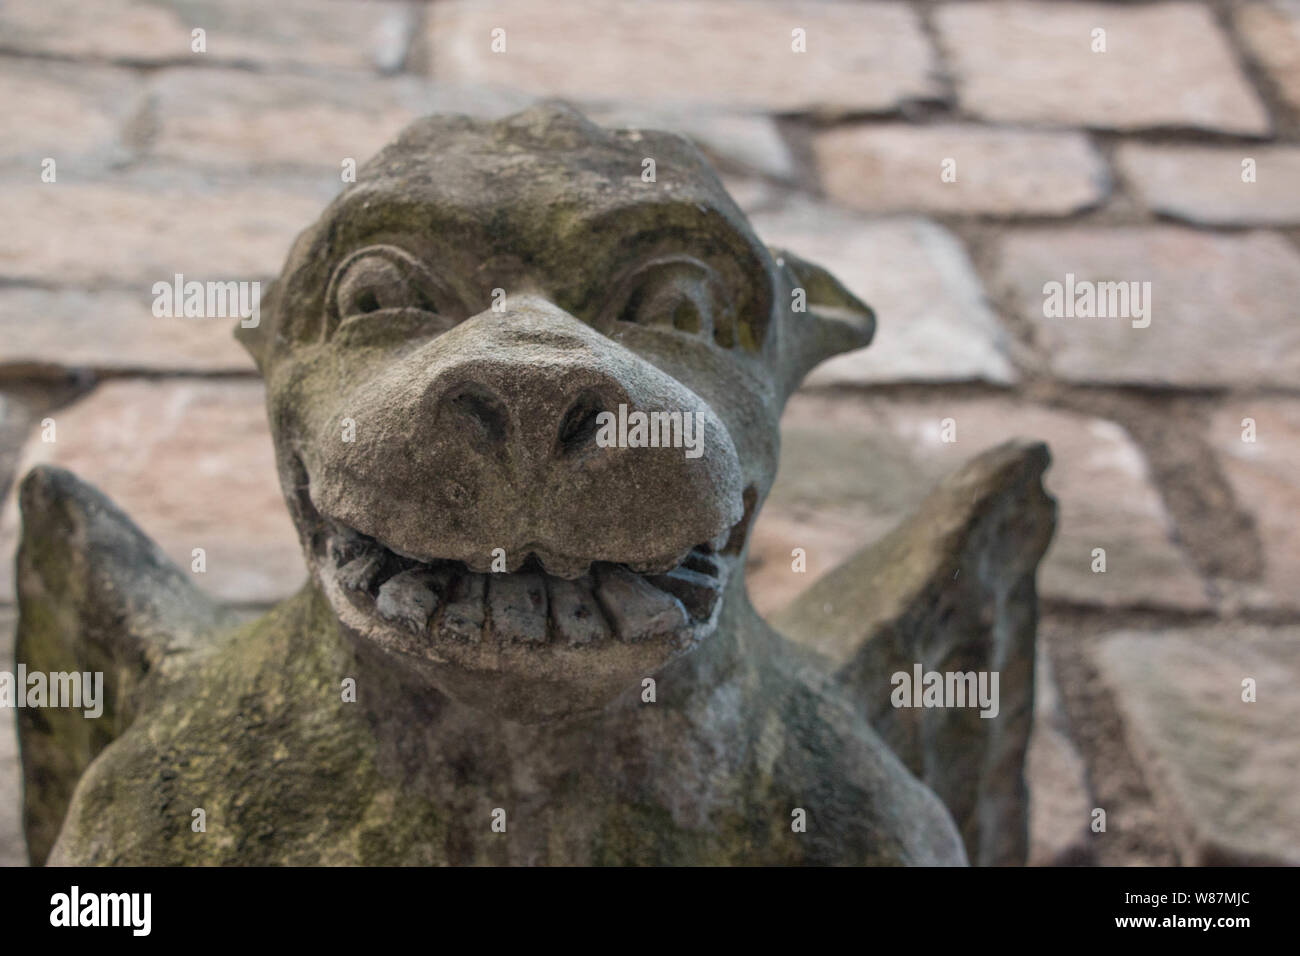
{"type": "Point", "coordinates": [95, 596]}
{"type": "Point", "coordinates": [952, 590]}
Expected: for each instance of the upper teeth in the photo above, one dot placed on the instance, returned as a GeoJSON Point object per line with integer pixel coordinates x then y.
{"type": "Point", "coordinates": [526, 606]}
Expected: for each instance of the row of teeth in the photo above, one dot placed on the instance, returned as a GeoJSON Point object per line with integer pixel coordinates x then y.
{"type": "Point", "coordinates": [529, 607]}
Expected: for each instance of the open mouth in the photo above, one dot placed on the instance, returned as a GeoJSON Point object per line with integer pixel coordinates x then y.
{"type": "Point", "coordinates": [446, 601]}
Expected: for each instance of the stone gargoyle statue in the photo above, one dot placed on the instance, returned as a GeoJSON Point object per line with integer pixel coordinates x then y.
{"type": "Point", "coordinates": [522, 642]}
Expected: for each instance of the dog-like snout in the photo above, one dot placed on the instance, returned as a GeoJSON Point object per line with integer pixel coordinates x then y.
{"type": "Point", "coordinates": [515, 405]}
{"type": "Point", "coordinates": [535, 432]}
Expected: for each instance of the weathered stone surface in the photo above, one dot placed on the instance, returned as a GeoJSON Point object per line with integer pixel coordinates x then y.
{"type": "Point", "coordinates": [1263, 475]}
{"type": "Point", "coordinates": [576, 613]}
{"type": "Point", "coordinates": [145, 228]}
{"type": "Point", "coordinates": [86, 569]}
{"type": "Point", "coordinates": [1059, 808]}
{"type": "Point", "coordinates": [235, 117]}
{"type": "Point", "coordinates": [933, 321]}
{"type": "Point", "coordinates": [1271, 31]}
{"type": "Point", "coordinates": [696, 591]}
{"type": "Point", "coordinates": [737, 140]}
{"type": "Point", "coordinates": [13, 848]}
{"type": "Point", "coordinates": [16, 421]}
{"type": "Point", "coordinates": [295, 33]}
{"type": "Point", "coordinates": [76, 114]}
{"type": "Point", "coordinates": [408, 598]}
{"type": "Point", "coordinates": [1204, 184]}
{"type": "Point", "coordinates": [861, 56]}
{"type": "Point", "coordinates": [1222, 769]}
{"type": "Point", "coordinates": [111, 330]}
{"type": "Point", "coordinates": [192, 461]}
{"type": "Point", "coordinates": [634, 607]}
{"type": "Point", "coordinates": [518, 606]}
{"type": "Point", "coordinates": [999, 172]}
{"type": "Point", "coordinates": [466, 611]}
{"type": "Point", "coordinates": [1165, 65]}
{"type": "Point", "coordinates": [359, 573]}
{"type": "Point", "coordinates": [852, 467]}
{"type": "Point", "coordinates": [1217, 303]}
{"type": "Point", "coordinates": [905, 604]}
{"type": "Point", "coordinates": [414, 421]}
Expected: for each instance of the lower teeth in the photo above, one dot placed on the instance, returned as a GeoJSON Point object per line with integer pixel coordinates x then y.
{"type": "Point", "coordinates": [527, 606]}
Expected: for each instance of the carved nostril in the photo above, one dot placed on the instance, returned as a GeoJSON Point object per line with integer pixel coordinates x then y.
{"type": "Point", "coordinates": [484, 410]}
{"type": "Point", "coordinates": [578, 426]}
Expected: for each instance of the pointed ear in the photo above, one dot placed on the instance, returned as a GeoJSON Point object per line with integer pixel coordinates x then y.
{"type": "Point", "coordinates": [256, 338]}
{"type": "Point", "coordinates": [832, 319]}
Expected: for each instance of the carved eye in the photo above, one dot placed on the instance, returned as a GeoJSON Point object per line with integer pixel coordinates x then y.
{"type": "Point", "coordinates": [386, 282]}
{"type": "Point", "coordinates": [676, 293]}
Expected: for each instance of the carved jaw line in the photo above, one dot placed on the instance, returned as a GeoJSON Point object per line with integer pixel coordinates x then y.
{"type": "Point", "coordinates": [445, 610]}
{"type": "Point", "coordinates": [444, 602]}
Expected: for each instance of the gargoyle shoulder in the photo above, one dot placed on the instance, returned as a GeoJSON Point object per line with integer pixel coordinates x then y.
{"type": "Point", "coordinates": [95, 597]}
{"type": "Point", "coordinates": [930, 631]}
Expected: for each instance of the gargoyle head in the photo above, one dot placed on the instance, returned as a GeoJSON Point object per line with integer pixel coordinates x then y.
{"type": "Point", "coordinates": [525, 402]}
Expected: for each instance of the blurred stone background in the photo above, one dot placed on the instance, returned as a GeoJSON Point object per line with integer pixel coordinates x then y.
{"type": "Point", "coordinates": [1122, 165]}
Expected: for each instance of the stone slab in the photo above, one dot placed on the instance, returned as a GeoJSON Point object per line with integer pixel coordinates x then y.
{"type": "Point", "coordinates": [933, 323]}
{"type": "Point", "coordinates": [190, 462]}
{"type": "Point", "coordinates": [304, 34]}
{"type": "Point", "coordinates": [1263, 475]}
{"type": "Point", "coordinates": [1222, 770]}
{"type": "Point", "coordinates": [1165, 65]}
{"type": "Point", "coordinates": [1222, 306]}
{"type": "Point", "coordinates": [861, 57]}
{"type": "Point", "coordinates": [1271, 31]}
{"type": "Point", "coordinates": [1204, 185]}
{"type": "Point", "coordinates": [960, 169]}
{"type": "Point", "coordinates": [110, 330]}
{"type": "Point", "coordinates": [1059, 805]}
{"type": "Point", "coordinates": [852, 467]}
{"type": "Point", "coordinates": [77, 114]}
{"type": "Point", "coordinates": [137, 229]}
